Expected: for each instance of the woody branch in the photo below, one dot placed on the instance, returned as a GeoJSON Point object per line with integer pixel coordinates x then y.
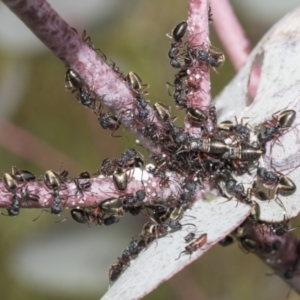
{"type": "Point", "coordinates": [68, 46]}
{"type": "Point", "coordinates": [106, 85]}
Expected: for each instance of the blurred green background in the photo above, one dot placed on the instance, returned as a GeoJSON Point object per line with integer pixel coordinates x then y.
{"type": "Point", "coordinates": [47, 260]}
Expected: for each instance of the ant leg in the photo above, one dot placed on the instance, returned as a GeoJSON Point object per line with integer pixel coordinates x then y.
{"type": "Point", "coordinates": [41, 214]}
{"type": "Point", "coordinates": [180, 254]}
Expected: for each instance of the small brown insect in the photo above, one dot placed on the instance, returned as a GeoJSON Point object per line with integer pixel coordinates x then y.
{"type": "Point", "coordinates": [195, 245]}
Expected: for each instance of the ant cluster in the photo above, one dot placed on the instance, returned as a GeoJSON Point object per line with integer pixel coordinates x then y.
{"type": "Point", "coordinates": [17, 181]}
{"type": "Point", "coordinates": [112, 209]}
{"type": "Point", "coordinates": [222, 152]}
{"type": "Point", "coordinates": [11, 183]}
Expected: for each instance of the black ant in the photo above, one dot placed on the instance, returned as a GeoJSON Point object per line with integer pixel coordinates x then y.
{"type": "Point", "coordinates": [120, 179]}
{"type": "Point", "coordinates": [112, 207]}
{"type": "Point", "coordinates": [282, 184]}
{"type": "Point", "coordinates": [84, 186]}
{"type": "Point", "coordinates": [162, 110]}
{"type": "Point", "coordinates": [131, 252]}
{"type": "Point", "coordinates": [154, 230]}
{"type": "Point", "coordinates": [73, 81]}
{"type": "Point", "coordinates": [196, 114]}
{"type": "Point", "coordinates": [22, 175]}
{"type": "Point", "coordinates": [239, 129]}
{"type": "Point", "coordinates": [115, 271]}
{"type": "Point", "coordinates": [109, 122]}
{"type": "Point", "coordinates": [142, 103]}
{"type": "Point", "coordinates": [11, 184]}
{"type": "Point", "coordinates": [108, 166]}
{"type": "Point", "coordinates": [278, 123]}
{"type": "Point", "coordinates": [136, 246]}
{"type": "Point", "coordinates": [84, 175]}
{"type": "Point", "coordinates": [111, 220]}
{"type": "Point", "coordinates": [285, 186]}
{"type": "Point", "coordinates": [134, 203]}
{"type": "Point", "coordinates": [238, 190]}
{"type": "Point", "coordinates": [281, 228]}
{"type": "Point", "coordinates": [189, 237]}
{"type": "Point", "coordinates": [168, 218]}
{"type": "Point", "coordinates": [228, 240]}
{"type": "Point", "coordinates": [14, 210]}
{"type": "Point", "coordinates": [54, 180]}
{"type": "Point", "coordinates": [125, 257]}
{"type": "Point", "coordinates": [214, 57]}
{"type": "Point", "coordinates": [177, 34]}
{"type": "Point", "coordinates": [248, 245]}
{"type": "Point", "coordinates": [128, 159]}
{"type": "Point", "coordinates": [141, 106]}
{"type": "Point", "coordinates": [181, 102]}
{"type": "Point", "coordinates": [135, 82]}
{"type": "Point", "coordinates": [213, 115]}
{"type": "Point", "coordinates": [85, 98]}
{"type": "Point", "coordinates": [84, 217]}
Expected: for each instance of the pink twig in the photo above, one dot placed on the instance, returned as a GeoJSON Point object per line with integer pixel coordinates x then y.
{"type": "Point", "coordinates": [230, 32]}
{"type": "Point", "coordinates": [234, 39]}
{"type": "Point", "coordinates": [66, 44]}
{"type": "Point", "coordinates": [101, 189]}
{"type": "Point", "coordinates": [199, 73]}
